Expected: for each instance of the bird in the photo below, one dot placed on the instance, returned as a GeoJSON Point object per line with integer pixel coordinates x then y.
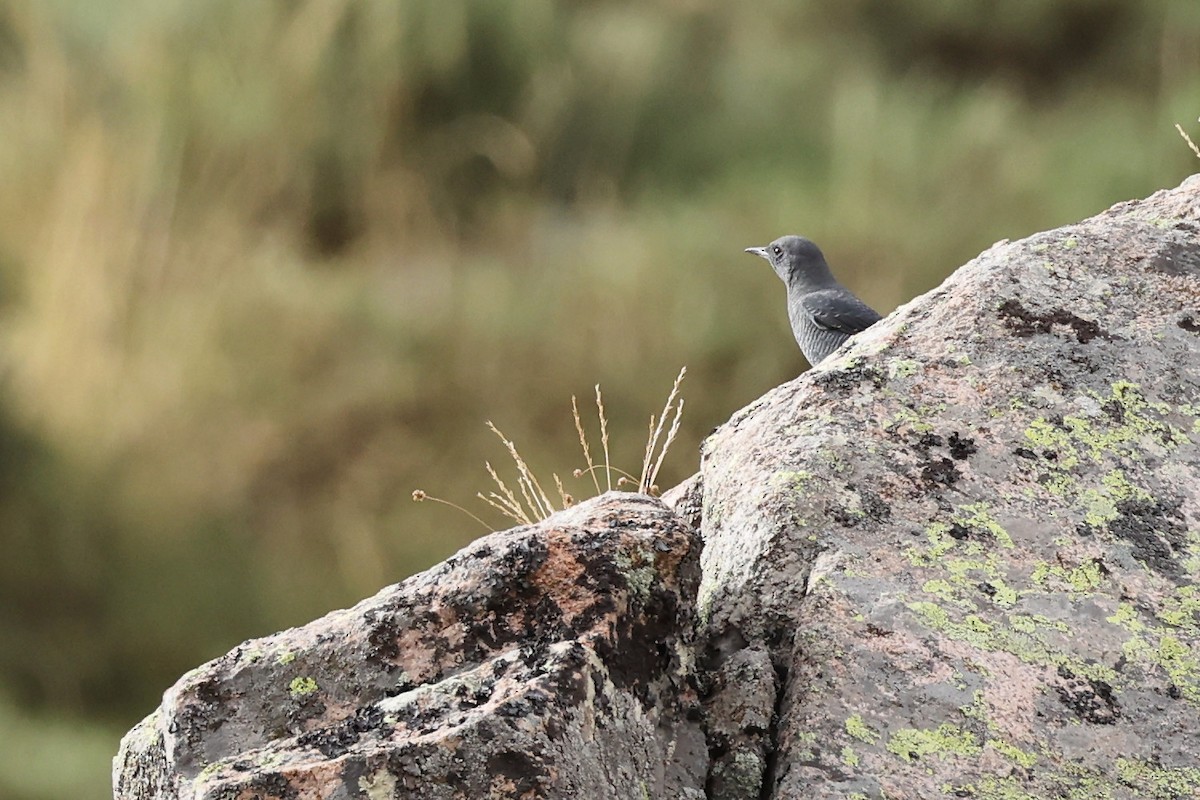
{"type": "Point", "coordinates": [823, 313]}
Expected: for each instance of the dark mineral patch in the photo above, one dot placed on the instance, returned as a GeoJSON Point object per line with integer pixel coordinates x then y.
{"type": "Point", "coordinates": [847, 379]}
{"type": "Point", "coordinates": [1155, 529]}
{"type": "Point", "coordinates": [1024, 323]}
{"type": "Point", "coordinates": [959, 532]}
{"type": "Point", "coordinates": [960, 447]}
{"type": "Point", "coordinates": [941, 471]}
{"type": "Point", "coordinates": [1092, 700]}
{"type": "Point", "coordinates": [267, 786]}
{"type": "Point", "coordinates": [1189, 324]}
{"type": "Point", "coordinates": [525, 774]}
{"type": "Point", "coordinates": [207, 713]}
{"type": "Point", "coordinates": [872, 508]}
{"type": "Point", "coordinates": [335, 740]}
{"type": "Point", "coordinates": [928, 440]}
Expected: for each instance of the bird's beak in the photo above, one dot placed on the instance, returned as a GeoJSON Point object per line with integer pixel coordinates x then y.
{"type": "Point", "coordinates": [761, 252]}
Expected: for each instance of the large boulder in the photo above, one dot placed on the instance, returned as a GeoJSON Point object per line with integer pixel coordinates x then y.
{"type": "Point", "coordinates": [971, 541]}
{"type": "Point", "coordinates": [552, 661]}
{"type": "Point", "coordinates": [957, 559]}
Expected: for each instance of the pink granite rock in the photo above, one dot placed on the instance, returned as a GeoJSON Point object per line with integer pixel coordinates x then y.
{"type": "Point", "coordinates": [971, 540]}
{"type": "Point", "coordinates": [958, 559]}
{"type": "Point", "coordinates": [552, 661]}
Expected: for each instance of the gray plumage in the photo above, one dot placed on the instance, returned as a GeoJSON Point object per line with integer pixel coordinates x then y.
{"type": "Point", "coordinates": [823, 313]}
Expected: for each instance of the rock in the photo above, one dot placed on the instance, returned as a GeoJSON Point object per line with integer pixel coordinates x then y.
{"type": "Point", "coordinates": [686, 501]}
{"type": "Point", "coordinates": [960, 558]}
{"type": "Point", "coordinates": [970, 541]}
{"type": "Point", "coordinates": [552, 661]}
{"type": "Point", "coordinates": [740, 723]}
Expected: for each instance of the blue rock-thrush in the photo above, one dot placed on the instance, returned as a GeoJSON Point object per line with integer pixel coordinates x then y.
{"type": "Point", "coordinates": [823, 313]}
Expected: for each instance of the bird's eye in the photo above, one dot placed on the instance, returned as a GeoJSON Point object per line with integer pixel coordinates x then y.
{"type": "Point", "coordinates": [777, 250]}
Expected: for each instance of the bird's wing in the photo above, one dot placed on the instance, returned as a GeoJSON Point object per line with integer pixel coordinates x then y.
{"type": "Point", "coordinates": [839, 311]}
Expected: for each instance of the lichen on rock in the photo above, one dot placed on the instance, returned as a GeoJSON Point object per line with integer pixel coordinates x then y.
{"type": "Point", "coordinates": [960, 558]}
{"type": "Point", "coordinates": [1022, 621]}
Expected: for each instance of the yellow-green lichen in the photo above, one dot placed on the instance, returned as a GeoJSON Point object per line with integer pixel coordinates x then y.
{"type": "Point", "coordinates": [1100, 504]}
{"type": "Point", "coordinates": [1003, 595]}
{"type": "Point", "coordinates": [1023, 637]}
{"type": "Point", "coordinates": [915, 419]}
{"type": "Point", "coordinates": [1013, 753]}
{"type": "Point", "coordinates": [1128, 417]}
{"type": "Point", "coordinates": [379, 786]}
{"type": "Point", "coordinates": [146, 732]}
{"type": "Point", "coordinates": [1086, 577]}
{"type": "Point", "coordinates": [639, 570]}
{"type": "Point", "coordinates": [1159, 782]}
{"type": "Point", "coordinates": [903, 368]}
{"type": "Point", "coordinates": [212, 770]}
{"type": "Point", "coordinates": [944, 741]}
{"type": "Point", "coordinates": [792, 480]}
{"type": "Point", "coordinates": [1127, 617]}
{"type": "Point", "coordinates": [302, 687]}
{"type": "Point", "coordinates": [744, 770]}
{"type": "Point", "coordinates": [940, 589]}
{"type": "Point", "coordinates": [849, 757]}
{"type": "Point", "coordinates": [1152, 645]}
{"type": "Point", "coordinates": [940, 543]}
{"type": "Point", "coordinates": [804, 743]}
{"type": "Point", "coordinates": [1042, 434]}
{"type": "Point", "coordinates": [977, 709]}
{"type": "Point", "coordinates": [832, 462]}
{"type": "Point", "coordinates": [1031, 623]}
{"type": "Point", "coordinates": [978, 516]}
{"type": "Point", "coordinates": [1127, 404]}
{"type": "Point", "coordinates": [286, 657]}
{"type": "Point", "coordinates": [861, 730]}
{"type": "Point", "coordinates": [1182, 609]}
{"type": "Point", "coordinates": [1128, 425]}
{"type": "Point", "coordinates": [994, 788]}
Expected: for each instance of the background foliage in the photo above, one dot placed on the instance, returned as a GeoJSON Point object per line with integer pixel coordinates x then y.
{"type": "Point", "coordinates": [267, 267]}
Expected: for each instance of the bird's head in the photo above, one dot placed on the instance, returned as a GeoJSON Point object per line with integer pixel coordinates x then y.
{"type": "Point", "coordinates": [796, 260]}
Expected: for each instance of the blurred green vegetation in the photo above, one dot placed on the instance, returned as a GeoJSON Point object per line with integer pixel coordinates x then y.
{"type": "Point", "coordinates": [267, 267]}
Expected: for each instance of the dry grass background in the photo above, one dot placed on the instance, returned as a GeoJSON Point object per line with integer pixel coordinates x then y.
{"type": "Point", "coordinates": [265, 268]}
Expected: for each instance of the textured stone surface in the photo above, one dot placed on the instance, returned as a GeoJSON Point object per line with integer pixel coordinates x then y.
{"type": "Point", "coordinates": [958, 559]}
{"type": "Point", "coordinates": [970, 540]}
{"type": "Point", "coordinates": [544, 662]}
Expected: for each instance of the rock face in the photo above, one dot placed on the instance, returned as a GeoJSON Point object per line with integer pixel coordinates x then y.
{"type": "Point", "coordinates": [958, 559]}
{"type": "Point", "coordinates": [549, 662]}
{"type": "Point", "coordinates": [971, 541]}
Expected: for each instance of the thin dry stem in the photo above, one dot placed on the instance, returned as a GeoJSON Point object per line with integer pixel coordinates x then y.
{"type": "Point", "coordinates": [567, 500]}
{"type": "Point", "coordinates": [1188, 139]}
{"type": "Point", "coordinates": [420, 496]}
{"type": "Point", "coordinates": [535, 486]}
{"type": "Point", "coordinates": [515, 510]}
{"type": "Point", "coordinates": [650, 473]}
{"type": "Point", "coordinates": [537, 504]}
{"type": "Point", "coordinates": [617, 470]}
{"type": "Point", "coordinates": [532, 513]}
{"type": "Point", "coordinates": [587, 456]}
{"type": "Point", "coordinates": [535, 496]}
{"type": "Point", "coordinates": [662, 454]}
{"type": "Point", "coordinates": [500, 505]}
{"type": "Point", "coordinates": [604, 437]}
{"type": "Point", "coordinates": [651, 439]}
